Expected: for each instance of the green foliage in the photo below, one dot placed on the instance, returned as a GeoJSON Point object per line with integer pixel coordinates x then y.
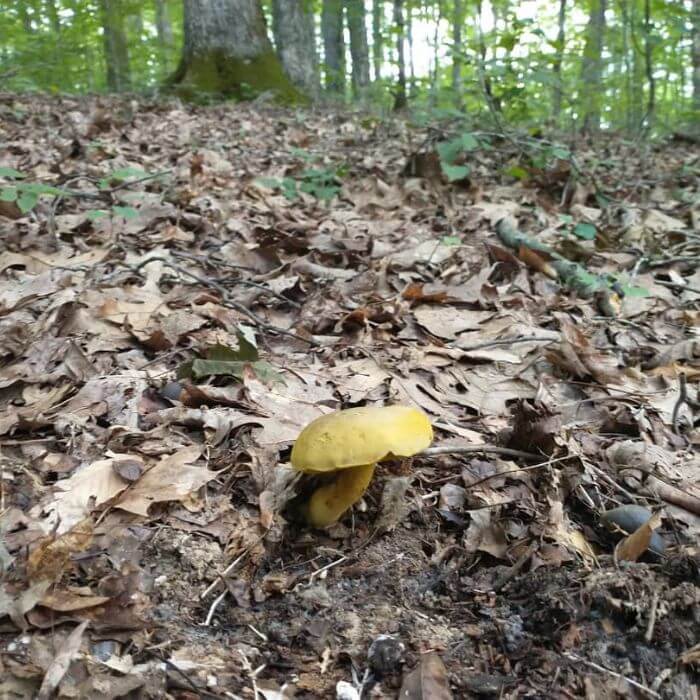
{"type": "Point", "coordinates": [24, 194]}
{"type": "Point", "coordinates": [512, 60]}
{"type": "Point", "coordinates": [223, 361]}
{"type": "Point", "coordinates": [323, 183]}
{"type": "Point", "coordinates": [454, 149]}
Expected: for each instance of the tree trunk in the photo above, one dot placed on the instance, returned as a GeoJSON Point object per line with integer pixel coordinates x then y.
{"type": "Point", "coordinates": [359, 50]}
{"type": "Point", "coordinates": [400, 99]}
{"type": "Point", "coordinates": [164, 28]}
{"type": "Point", "coordinates": [115, 45]}
{"type": "Point", "coordinates": [558, 59]}
{"type": "Point", "coordinates": [409, 43]}
{"type": "Point", "coordinates": [53, 16]}
{"type": "Point", "coordinates": [333, 45]}
{"type": "Point", "coordinates": [293, 29]}
{"type": "Point", "coordinates": [592, 68]}
{"type": "Point", "coordinates": [696, 58]}
{"type": "Point", "coordinates": [649, 65]}
{"type": "Point", "coordinates": [435, 69]}
{"type": "Point", "coordinates": [227, 52]}
{"type": "Point", "coordinates": [377, 38]}
{"type": "Point", "coordinates": [457, 52]}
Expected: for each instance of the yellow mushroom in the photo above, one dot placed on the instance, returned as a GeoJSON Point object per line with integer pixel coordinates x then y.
{"type": "Point", "coordinates": [348, 444]}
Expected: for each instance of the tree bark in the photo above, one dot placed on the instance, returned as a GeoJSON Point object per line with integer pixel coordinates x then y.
{"type": "Point", "coordinates": [558, 59]}
{"type": "Point", "coordinates": [116, 47]}
{"type": "Point", "coordinates": [592, 68]}
{"type": "Point", "coordinates": [696, 58]}
{"type": "Point", "coordinates": [648, 65]}
{"type": "Point", "coordinates": [333, 45]}
{"type": "Point", "coordinates": [457, 52]}
{"type": "Point", "coordinates": [227, 52]}
{"type": "Point", "coordinates": [377, 37]}
{"type": "Point", "coordinates": [293, 29]}
{"type": "Point", "coordinates": [400, 99]}
{"type": "Point", "coordinates": [164, 27]}
{"type": "Point", "coordinates": [53, 16]}
{"type": "Point", "coordinates": [359, 50]}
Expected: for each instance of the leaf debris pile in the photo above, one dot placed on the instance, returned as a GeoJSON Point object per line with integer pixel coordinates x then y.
{"type": "Point", "coordinates": [188, 288]}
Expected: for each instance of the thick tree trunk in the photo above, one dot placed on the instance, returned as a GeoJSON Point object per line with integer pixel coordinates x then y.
{"type": "Point", "coordinates": [164, 27]}
{"type": "Point", "coordinates": [400, 99]}
{"type": "Point", "coordinates": [333, 45]}
{"type": "Point", "coordinates": [558, 59]}
{"type": "Point", "coordinates": [592, 68]}
{"type": "Point", "coordinates": [359, 50]}
{"type": "Point", "coordinates": [457, 52]}
{"type": "Point", "coordinates": [227, 52]}
{"type": "Point", "coordinates": [115, 45]}
{"type": "Point", "coordinates": [293, 29]}
{"type": "Point", "coordinates": [377, 37]}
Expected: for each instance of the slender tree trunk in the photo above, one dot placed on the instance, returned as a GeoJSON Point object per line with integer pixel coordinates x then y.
{"type": "Point", "coordinates": [409, 43]}
{"type": "Point", "coordinates": [696, 59]}
{"type": "Point", "coordinates": [333, 45]}
{"type": "Point", "coordinates": [457, 52]}
{"type": "Point", "coordinates": [400, 99]}
{"type": "Point", "coordinates": [115, 45]}
{"type": "Point", "coordinates": [164, 27]}
{"type": "Point", "coordinates": [227, 52]}
{"type": "Point", "coordinates": [492, 103]}
{"type": "Point", "coordinates": [592, 68]}
{"type": "Point", "coordinates": [435, 71]}
{"type": "Point", "coordinates": [359, 50]}
{"type": "Point", "coordinates": [377, 37]}
{"type": "Point", "coordinates": [558, 60]}
{"type": "Point", "coordinates": [54, 19]}
{"type": "Point", "coordinates": [293, 29]}
{"type": "Point", "coordinates": [648, 65]}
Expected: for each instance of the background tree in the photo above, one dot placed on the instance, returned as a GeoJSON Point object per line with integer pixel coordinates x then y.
{"type": "Point", "coordinates": [400, 97]}
{"type": "Point", "coordinates": [293, 29]}
{"type": "Point", "coordinates": [592, 67]}
{"type": "Point", "coordinates": [227, 51]}
{"type": "Point", "coordinates": [359, 50]}
{"type": "Point", "coordinates": [116, 46]}
{"type": "Point", "coordinates": [333, 45]}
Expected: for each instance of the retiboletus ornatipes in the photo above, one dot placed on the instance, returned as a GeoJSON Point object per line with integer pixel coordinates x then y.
{"type": "Point", "coordinates": [349, 444]}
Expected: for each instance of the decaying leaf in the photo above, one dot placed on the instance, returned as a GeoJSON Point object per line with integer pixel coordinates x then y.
{"type": "Point", "coordinates": [52, 556]}
{"type": "Point", "coordinates": [427, 681]}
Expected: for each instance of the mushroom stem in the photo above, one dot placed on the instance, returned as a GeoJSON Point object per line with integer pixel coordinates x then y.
{"type": "Point", "coordinates": [329, 502]}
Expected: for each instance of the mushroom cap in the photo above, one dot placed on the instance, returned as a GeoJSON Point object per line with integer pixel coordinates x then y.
{"type": "Point", "coordinates": [359, 436]}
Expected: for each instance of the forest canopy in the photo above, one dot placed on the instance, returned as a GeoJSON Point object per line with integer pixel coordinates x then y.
{"type": "Point", "coordinates": [571, 64]}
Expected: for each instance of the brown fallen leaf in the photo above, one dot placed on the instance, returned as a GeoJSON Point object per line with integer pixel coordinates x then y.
{"type": "Point", "coordinates": [59, 666]}
{"type": "Point", "coordinates": [172, 479]}
{"type": "Point", "coordinates": [633, 546]}
{"type": "Point", "coordinates": [52, 557]}
{"type": "Point", "coordinates": [427, 681]}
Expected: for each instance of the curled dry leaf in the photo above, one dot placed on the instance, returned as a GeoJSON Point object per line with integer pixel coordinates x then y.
{"type": "Point", "coordinates": [59, 666]}
{"type": "Point", "coordinates": [633, 546]}
{"type": "Point", "coordinates": [52, 557]}
{"type": "Point", "coordinates": [427, 681]}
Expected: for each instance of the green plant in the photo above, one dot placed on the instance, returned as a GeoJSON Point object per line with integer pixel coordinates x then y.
{"type": "Point", "coordinates": [24, 194]}
{"type": "Point", "coordinates": [452, 151]}
{"type": "Point", "coordinates": [323, 183]}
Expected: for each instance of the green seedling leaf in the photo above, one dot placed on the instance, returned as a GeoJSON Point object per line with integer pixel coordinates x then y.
{"type": "Point", "coordinates": [96, 214]}
{"type": "Point", "coordinates": [126, 212]}
{"type": "Point", "coordinates": [8, 194]}
{"type": "Point", "coordinates": [449, 150]}
{"type": "Point", "coordinates": [121, 175]}
{"type": "Point", "coordinates": [585, 231]}
{"type": "Point", "coordinates": [469, 142]}
{"type": "Point", "coordinates": [562, 153]}
{"type": "Point", "coordinates": [450, 240]}
{"type": "Point", "coordinates": [632, 291]}
{"type": "Point", "coordinates": [566, 218]}
{"type": "Point", "coordinates": [11, 173]}
{"type": "Point", "coordinates": [454, 173]}
{"type": "Point", "coordinates": [27, 201]}
{"type": "Point", "coordinates": [517, 172]}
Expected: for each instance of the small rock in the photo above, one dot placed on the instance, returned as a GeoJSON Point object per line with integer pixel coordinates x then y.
{"type": "Point", "coordinates": [385, 655]}
{"type": "Point", "coordinates": [346, 691]}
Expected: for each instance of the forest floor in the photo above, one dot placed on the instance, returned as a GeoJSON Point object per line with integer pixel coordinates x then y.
{"type": "Point", "coordinates": [145, 550]}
